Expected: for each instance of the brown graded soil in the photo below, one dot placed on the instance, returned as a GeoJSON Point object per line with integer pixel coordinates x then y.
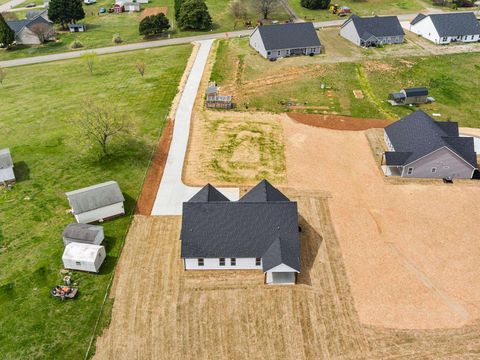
{"type": "Point", "coordinates": [338, 122]}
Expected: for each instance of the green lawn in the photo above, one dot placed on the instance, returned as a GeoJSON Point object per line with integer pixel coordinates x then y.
{"type": "Point", "coordinates": [51, 158]}
{"type": "Point", "coordinates": [101, 28]}
{"type": "Point", "coordinates": [453, 80]}
{"type": "Point", "coordinates": [368, 7]}
{"type": "Point", "coordinates": [23, 4]}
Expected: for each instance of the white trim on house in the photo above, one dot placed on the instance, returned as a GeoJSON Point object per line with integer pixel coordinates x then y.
{"type": "Point", "coordinates": [214, 264]}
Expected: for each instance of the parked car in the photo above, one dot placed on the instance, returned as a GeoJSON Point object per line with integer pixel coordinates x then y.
{"type": "Point", "coordinates": [30, 5]}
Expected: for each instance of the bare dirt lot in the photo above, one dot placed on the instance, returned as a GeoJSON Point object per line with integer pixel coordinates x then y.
{"type": "Point", "coordinates": [411, 250]}
{"type": "Point", "coordinates": [337, 122]}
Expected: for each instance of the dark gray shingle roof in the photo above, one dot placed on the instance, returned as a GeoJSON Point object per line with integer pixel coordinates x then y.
{"type": "Point", "coordinates": [207, 194]}
{"type": "Point", "coordinates": [5, 159]}
{"type": "Point", "coordinates": [95, 197]}
{"type": "Point", "coordinates": [419, 135]}
{"type": "Point", "coordinates": [81, 232]}
{"type": "Point", "coordinates": [378, 26]}
{"type": "Point", "coordinates": [454, 24]}
{"type": "Point", "coordinates": [289, 36]}
{"type": "Point", "coordinates": [18, 25]}
{"type": "Point", "coordinates": [263, 192]}
{"type": "Point", "coordinates": [418, 18]}
{"type": "Point", "coordinates": [419, 91]}
{"type": "Point", "coordinates": [241, 229]}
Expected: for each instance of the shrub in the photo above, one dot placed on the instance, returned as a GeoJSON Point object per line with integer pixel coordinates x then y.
{"type": "Point", "coordinates": [315, 4]}
{"type": "Point", "coordinates": [117, 39]}
{"type": "Point", "coordinates": [76, 44]}
{"type": "Point", "coordinates": [194, 15]}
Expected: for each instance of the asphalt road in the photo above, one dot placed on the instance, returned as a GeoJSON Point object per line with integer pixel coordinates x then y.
{"type": "Point", "coordinates": [7, 6]}
{"type": "Point", "coordinates": [152, 44]}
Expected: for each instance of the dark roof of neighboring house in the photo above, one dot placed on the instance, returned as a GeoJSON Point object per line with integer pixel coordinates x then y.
{"type": "Point", "coordinates": [378, 26]}
{"type": "Point", "coordinates": [419, 91]}
{"type": "Point", "coordinates": [81, 232]}
{"type": "Point", "coordinates": [418, 135]}
{"type": "Point", "coordinates": [18, 25]}
{"type": "Point", "coordinates": [73, 26]}
{"type": "Point", "coordinates": [265, 229]}
{"type": "Point", "coordinates": [212, 89]}
{"type": "Point", "coordinates": [453, 24]}
{"type": "Point", "coordinates": [289, 36]}
{"type": "Point", "coordinates": [5, 159]}
{"type": "Point", "coordinates": [95, 197]}
{"type": "Point", "coordinates": [418, 18]}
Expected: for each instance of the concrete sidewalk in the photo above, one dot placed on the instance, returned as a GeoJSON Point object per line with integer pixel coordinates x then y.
{"type": "Point", "coordinates": [172, 191]}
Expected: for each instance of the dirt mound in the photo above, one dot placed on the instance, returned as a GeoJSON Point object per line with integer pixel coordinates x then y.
{"type": "Point", "coordinates": [154, 11]}
{"type": "Point", "coordinates": [337, 122]}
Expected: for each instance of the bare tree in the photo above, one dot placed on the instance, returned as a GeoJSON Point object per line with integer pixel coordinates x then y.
{"type": "Point", "coordinates": [265, 7]}
{"type": "Point", "coordinates": [141, 66]}
{"type": "Point", "coordinates": [89, 59]}
{"type": "Point", "coordinates": [42, 30]}
{"type": "Point", "coordinates": [238, 9]}
{"type": "Point", "coordinates": [100, 124]}
{"type": "Point", "coordinates": [3, 75]}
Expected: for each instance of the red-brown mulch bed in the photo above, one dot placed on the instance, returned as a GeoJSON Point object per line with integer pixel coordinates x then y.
{"type": "Point", "coordinates": [338, 122]}
{"type": "Point", "coordinates": [155, 173]}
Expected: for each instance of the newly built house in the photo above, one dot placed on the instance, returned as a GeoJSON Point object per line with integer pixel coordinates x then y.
{"type": "Point", "coordinates": [258, 232]}
{"type": "Point", "coordinates": [7, 176]}
{"type": "Point", "coordinates": [447, 27]}
{"type": "Point", "coordinates": [84, 257]}
{"type": "Point", "coordinates": [420, 147]}
{"type": "Point", "coordinates": [97, 202]}
{"type": "Point", "coordinates": [283, 40]}
{"type": "Point", "coordinates": [32, 31]}
{"type": "Point", "coordinates": [83, 233]}
{"type": "Point", "coordinates": [373, 31]}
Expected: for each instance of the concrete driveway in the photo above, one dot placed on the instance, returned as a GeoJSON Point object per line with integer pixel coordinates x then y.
{"type": "Point", "coordinates": [172, 191]}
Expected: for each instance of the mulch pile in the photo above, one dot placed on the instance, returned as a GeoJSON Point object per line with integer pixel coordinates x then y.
{"type": "Point", "coordinates": [155, 173]}
{"type": "Point", "coordinates": [337, 122]}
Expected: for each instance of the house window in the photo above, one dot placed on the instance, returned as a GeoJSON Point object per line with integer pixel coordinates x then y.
{"type": "Point", "coordinates": [201, 262]}
{"type": "Point", "coordinates": [279, 53]}
{"type": "Point", "coordinates": [434, 170]}
{"type": "Point", "coordinates": [78, 263]}
{"type": "Point", "coordinates": [258, 261]}
{"type": "Point", "coordinates": [233, 261]}
{"type": "Point", "coordinates": [445, 39]}
{"type": "Point", "coordinates": [221, 261]}
{"type": "Point", "coordinates": [269, 53]}
{"type": "Point", "coordinates": [410, 171]}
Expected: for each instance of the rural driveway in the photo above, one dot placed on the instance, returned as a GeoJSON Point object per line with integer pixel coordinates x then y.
{"type": "Point", "coordinates": [7, 6]}
{"type": "Point", "coordinates": [150, 44]}
{"type": "Point", "coordinates": [172, 191]}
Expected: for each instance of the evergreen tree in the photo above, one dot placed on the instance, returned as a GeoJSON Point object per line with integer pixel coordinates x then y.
{"type": "Point", "coordinates": [153, 25]}
{"type": "Point", "coordinates": [64, 12]}
{"type": "Point", "coordinates": [315, 4]}
{"type": "Point", "coordinates": [177, 7]}
{"type": "Point", "coordinates": [7, 35]}
{"type": "Point", "coordinates": [194, 16]}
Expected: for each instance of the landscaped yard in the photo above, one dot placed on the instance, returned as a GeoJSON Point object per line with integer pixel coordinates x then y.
{"type": "Point", "coordinates": [295, 84]}
{"type": "Point", "coordinates": [363, 8]}
{"type": "Point", "coordinates": [101, 28]}
{"type": "Point", "coordinates": [37, 122]}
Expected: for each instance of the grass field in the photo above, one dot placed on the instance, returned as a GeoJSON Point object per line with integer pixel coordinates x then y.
{"type": "Point", "coordinates": [101, 28]}
{"type": "Point", "coordinates": [295, 84]}
{"type": "Point", "coordinates": [362, 8]}
{"type": "Point", "coordinates": [23, 4]}
{"type": "Point", "coordinates": [51, 158]}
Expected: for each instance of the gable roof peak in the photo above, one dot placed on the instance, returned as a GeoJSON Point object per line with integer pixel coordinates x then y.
{"type": "Point", "coordinates": [208, 193]}
{"type": "Point", "coordinates": [264, 192]}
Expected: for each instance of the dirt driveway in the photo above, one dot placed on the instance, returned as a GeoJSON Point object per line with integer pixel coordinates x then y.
{"type": "Point", "coordinates": [411, 251]}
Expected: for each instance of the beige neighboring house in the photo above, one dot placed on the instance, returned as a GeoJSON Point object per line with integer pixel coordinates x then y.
{"type": "Point", "coordinates": [32, 31]}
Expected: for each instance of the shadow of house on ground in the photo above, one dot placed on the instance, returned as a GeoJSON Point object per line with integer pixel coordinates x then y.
{"type": "Point", "coordinates": [22, 171]}
{"type": "Point", "coordinates": [310, 241]}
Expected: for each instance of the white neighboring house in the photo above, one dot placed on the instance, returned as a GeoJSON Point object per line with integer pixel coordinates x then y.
{"type": "Point", "coordinates": [447, 27]}
{"type": "Point", "coordinates": [84, 257]}
{"type": "Point", "coordinates": [258, 232]}
{"type": "Point", "coordinates": [7, 176]}
{"type": "Point", "coordinates": [129, 6]}
{"type": "Point", "coordinates": [283, 40]}
{"type": "Point", "coordinates": [83, 233]}
{"type": "Point", "coordinates": [97, 202]}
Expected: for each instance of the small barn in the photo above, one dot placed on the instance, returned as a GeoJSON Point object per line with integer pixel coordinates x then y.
{"type": "Point", "coordinates": [77, 27]}
{"type": "Point", "coordinates": [97, 202]}
{"type": "Point", "coordinates": [418, 95]}
{"type": "Point", "coordinates": [132, 6]}
{"type": "Point", "coordinates": [83, 233]}
{"type": "Point", "coordinates": [118, 8]}
{"type": "Point", "coordinates": [219, 102]}
{"type": "Point", "coordinates": [83, 257]}
{"type": "Point", "coordinates": [7, 175]}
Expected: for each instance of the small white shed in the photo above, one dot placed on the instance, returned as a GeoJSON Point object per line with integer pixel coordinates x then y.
{"type": "Point", "coordinates": [83, 233]}
{"type": "Point", "coordinates": [97, 202]}
{"type": "Point", "coordinates": [6, 167]}
{"type": "Point", "coordinates": [84, 257]}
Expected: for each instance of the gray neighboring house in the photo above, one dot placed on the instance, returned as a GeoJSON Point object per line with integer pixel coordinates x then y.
{"type": "Point", "coordinates": [420, 147]}
{"type": "Point", "coordinates": [83, 233]}
{"type": "Point", "coordinates": [7, 175]}
{"type": "Point", "coordinates": [258, 232]}
{"type": "Point", "coordinates": [373, 31]}
{"type": "Point", "coordinates": [32, 31]}
{"type": "Point", "coordinates": [97, 202]}
{"type": "Point", "coordinates": [283, 40]}
{"type": "Point", "coordinates": [447, 27]}
{"type": "Point", "coordinates": [418, 95]}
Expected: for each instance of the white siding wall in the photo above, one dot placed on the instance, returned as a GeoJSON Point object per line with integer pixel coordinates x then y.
{"type": "Point", "coordinates": [7, 175]}
{"type": "Point", "coordinates": [426, 29]}
{"type": "Point", "coordinates": [214, 264]}
{"type": "Point", "coordinates": [256, 42]}
{"type": "Point", "coordinates": [100, 214]}
{"type": "Point", "coordinates": [388, 142]}
{"type": "Point", "coordinates": [92, 265]}
{"type": "Point", "coordinates": [349, 32]}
